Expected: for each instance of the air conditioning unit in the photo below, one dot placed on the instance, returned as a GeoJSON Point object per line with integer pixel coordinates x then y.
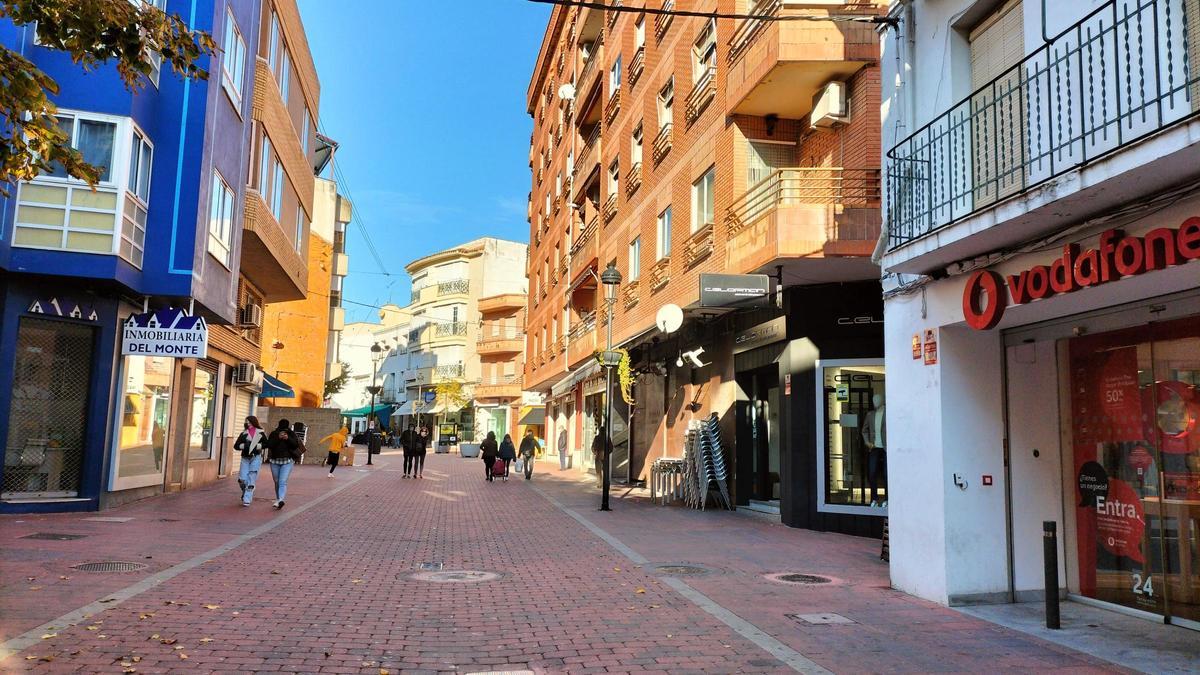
{"type": "Point", "coordinates": [829, 106]}
{"type": "Point", "coordinates": [251, 316]}
{"type": "Point", "coordinates": [247, 373]}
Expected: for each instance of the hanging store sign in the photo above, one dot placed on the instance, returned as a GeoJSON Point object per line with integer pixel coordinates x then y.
{"type": "Point", "coordinates": [987, 293]}
{"type": "Point", "coordinates": [930, 347]}
{"type": "Point", "coordinates": [762, 334]}
{"type": "Point", "coordinates": [740, 291]}
{"type": "Point", "coordinates": [168, 332]}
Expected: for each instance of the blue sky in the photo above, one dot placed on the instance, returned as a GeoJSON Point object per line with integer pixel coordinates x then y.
{"type": "Point", "coordinates": [427, 100]}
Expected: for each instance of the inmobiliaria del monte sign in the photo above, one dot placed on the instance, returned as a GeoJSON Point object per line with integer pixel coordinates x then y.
{"type": "Point", "coordinates": [985, 296]}
{"type": "Point", "coordinates": [170, 333]}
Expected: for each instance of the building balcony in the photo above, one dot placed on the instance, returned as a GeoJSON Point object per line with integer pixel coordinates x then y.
{"type": "Point", "coordinates": [613, 106]}
{"type": "Point", "coordinates": [584, 251]}
{"type": "Point", "coordinates": [699, 246]}
{"type": "Point", "coordinates": [587, 75]}
{"type": "Point", "coordinates": [337, 319]}
{"type": "Point", "coordinates": [703, 92]}
{"type": "Point", "coordinates": [583, 341]}
{"type": "Point", "coordinates": [341, 265]}
{"type": "Point", "coordinates": [448, 372]}
{"type": "Point", "coordinates": [609, 210]}
{"type": "Point", "coordinates": [504, 341]}
{"type": "Point", "coordinates": [589, 156]}
{"type": "Point", "coordinates": [501, 303]}
{"type": "Point", "coordinates": [610, 18]}
{"type": "Point", "coordinates": [804, 213]}
{"type": "Point", "coordinates": [662, 142]}
{"type": "Point", "coordinates": [660, 274]}
{"type": "Point", "coordinates": [453, 287]}
{"type": "Point", "coordinates": [449, 330]}
{"type": "Point", "coordinates": [637, 65]}
{"type": "Point", "coordinates": [631, 294]}
{"type": "Point", "coordinates": [662, 22]}
{"type": "Point", "coordinates": [269, 260]}
{"type": "Point", "coordinates": [777, 67]}
{"type": "Point", "coordinates": [633, 179]}
{"type": "Point", "coordinates": [419, 376]}
{"type": "Point", "coordinates": [508, 387]}
{"type": "Point", "coordinates": [1105, 112]}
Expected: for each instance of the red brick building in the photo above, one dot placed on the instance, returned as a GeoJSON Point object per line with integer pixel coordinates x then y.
{"type": "Point", "coordinates": [677, 146]}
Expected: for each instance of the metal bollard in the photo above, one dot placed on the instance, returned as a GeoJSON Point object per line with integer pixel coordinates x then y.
{"type": "Point", "coordinates": [1050, 557]}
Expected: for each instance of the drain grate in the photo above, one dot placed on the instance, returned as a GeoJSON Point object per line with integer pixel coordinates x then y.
{"type": "Point", "coordinates": [799, 579]}
{"type": "Point", "coordinates": [54, 536]}
{"type": "Point", "coordinates": [430, 567]}
{"type": "Point", "coordinates": [681, 570]}
{"type": "Point", "coordinates": [109, 566]}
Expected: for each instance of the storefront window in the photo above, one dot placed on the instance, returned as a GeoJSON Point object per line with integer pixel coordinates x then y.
{"type": "Point", "coordinates": [146, 406]}
{"type": "Point", "coordinates": [1135, 409]}
{"type": "Point", "coordinates": [852, 441]}
{"type": "Point", "coordinates": [51, 384]}
{"type": "Point", "coordinates": [203, 407]}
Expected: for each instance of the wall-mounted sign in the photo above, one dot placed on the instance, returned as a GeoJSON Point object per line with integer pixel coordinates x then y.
{"type": "Point", "coordinates": [735, 291]}
{"type": "Point", "coordinates": [987, 293]}
{"type": "Point", "coordinates": [930, 347]}
{"type": "Point", "coordinates": [430, 396]}
{"type": "Point", "coordinates": [916, 346]}
{"type": "Point", "coordinates": [167, 332]}
{"type": "Point", "coordinates": [762, 334]}
{"type": "Point", "coordinates": [787, 384]}
{"type": "Point", "coordinates": [67, 309]}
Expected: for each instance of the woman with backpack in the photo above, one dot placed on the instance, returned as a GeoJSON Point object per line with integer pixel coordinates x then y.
{"type": "Point", "coordinates": [508, 453]}
{"type": "Point", "coordinates": [283, 451]}
{"type": "Point", "coordinates": [249, 444]}
{"type": "Point", "coordinates": [489, 450]}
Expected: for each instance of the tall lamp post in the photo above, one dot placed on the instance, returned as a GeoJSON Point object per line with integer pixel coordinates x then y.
{"type": "Point", "coordinates": [610, 278]}
{"type": "Point", "coordinates": [376, 350]}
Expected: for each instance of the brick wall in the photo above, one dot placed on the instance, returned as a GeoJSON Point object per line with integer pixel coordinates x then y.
{"type": "Point", "coordinates": [303, 328]}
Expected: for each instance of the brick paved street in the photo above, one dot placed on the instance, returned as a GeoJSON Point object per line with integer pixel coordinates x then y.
{"type": "Point", "coordinates": [327, 586]}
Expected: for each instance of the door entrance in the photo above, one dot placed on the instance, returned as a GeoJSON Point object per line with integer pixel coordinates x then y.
{"type": "Point", "coordinates": [1135, 410]}
{"type": "Point", "coordinates": [758, 437]}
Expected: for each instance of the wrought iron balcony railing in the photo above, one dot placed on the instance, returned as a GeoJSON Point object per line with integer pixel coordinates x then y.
{"type": "Point", "coordinates": [743, 36]}
{"type": "Point", "coordinates": [450, 329]}
{"type": "Point", "coordinates": [449, 371]}
{"type": "Point", "coordinates": [633, 179]}
{"type": "Point", "coordinates": [637, 65]}
{"type": "Point", "coordinates": [454, 286]}
{"type": "Point", "coordinates": [806, 185]}
{"type": "Point", "coordinates": [662, 142]}
{"type": "Point", "coordinates": [663, 21]}
{"type": "Point", "coordinates": [1122, 73]}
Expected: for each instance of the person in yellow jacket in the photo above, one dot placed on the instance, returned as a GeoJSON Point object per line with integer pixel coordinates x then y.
{"type": "Point", "coordinates": [337, 441]}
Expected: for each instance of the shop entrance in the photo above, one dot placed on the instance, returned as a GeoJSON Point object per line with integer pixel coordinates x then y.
{"type": "Point", "coordinates": [758, 437]}
{"type": "Point", "coordinates": [1135, 445]}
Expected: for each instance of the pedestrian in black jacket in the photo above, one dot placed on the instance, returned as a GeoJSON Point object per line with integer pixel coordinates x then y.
{"type": "Point", "coordinates": [283, 451]}
{"type": "Point", "coordinates": [489, 450]}
{"type": "Point", "coordinates": [508, 453]}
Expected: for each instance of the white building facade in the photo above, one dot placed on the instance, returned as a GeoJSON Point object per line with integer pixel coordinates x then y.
{"type": "Point", "coordinates": [1042, 312]}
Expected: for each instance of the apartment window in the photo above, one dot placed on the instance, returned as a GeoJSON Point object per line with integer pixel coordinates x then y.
{"type": "Point", "coordinates": [233, 64]}
{"type": "Point", "coordinates": [220, 219]}
{"type": "Point", "coordinates": [639, 32]}
{"type": "Point", "coordinates": [285, 75]}
{"type": "Point", "coordinates": [635, 259]}
{"type": "Point", "coordinates": [635, 150]}
{"type": "Point", "coordinates": [614, 177]}
{"type": "Point", "coordinates": [702, 199]}
{"type": "Point", "coordinates": [547, 204]}
{"type": "Point", "coordinates": [664, 234]}
{"type": "Point", "coordinates": [264, 168]}
{"type": "Point", "coordinates": [307, 131]}
{"type": "Point", "coordinates": [614, 75]}
{"type": "Point", "coordinates": [558, 185]}
{"type": "Point", "coordinates": [274, 45]}
{"type": "Point", "coordinates": [137, 199]}
{"type": "Point", "coordinates": [299, 228]}
{"type": "Point", "coordinates": [62, 213]}
{"type": "Point", "coordinates": [155, 59]}
{"type": "Point", "coordinates": [704, 51]}
{"type": "Point", "coordinates": [666, 103]}
{"type": "Point", "coordinates": [277, 191]}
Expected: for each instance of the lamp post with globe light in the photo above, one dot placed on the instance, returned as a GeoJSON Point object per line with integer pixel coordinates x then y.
{"type": "Point", "coordinates": [610, 278]}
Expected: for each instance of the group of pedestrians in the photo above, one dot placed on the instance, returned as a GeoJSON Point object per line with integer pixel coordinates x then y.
{"type": "Point", "coordinates": [498, 457]}
{"type": "Point", "coordinates": [282, 449]}
{"type": "Point", "coordinates": [415, 442]}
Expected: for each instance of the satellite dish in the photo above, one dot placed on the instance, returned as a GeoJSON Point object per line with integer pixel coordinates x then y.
{"type": "Point", "coordinates": [669, 318]}
{"type": "Point", "coordinates": [567, 92]}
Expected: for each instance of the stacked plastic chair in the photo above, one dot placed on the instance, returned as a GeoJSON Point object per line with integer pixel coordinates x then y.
{"type": "Point", "coordinates": [705, 471]}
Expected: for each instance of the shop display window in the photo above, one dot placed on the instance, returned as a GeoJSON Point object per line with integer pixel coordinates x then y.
{"type": "Point", "coordinates": [852, 437]}
{"type": "Point", "coordinates": [144, 421]}
{"type": "Point", "coordinates": [204, 402]}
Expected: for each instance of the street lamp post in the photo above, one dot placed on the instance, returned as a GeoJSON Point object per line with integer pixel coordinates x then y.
{"type": "Point", "coordinates": [610, 278]}
{"type": "Point", "coordinates": [374, 389]}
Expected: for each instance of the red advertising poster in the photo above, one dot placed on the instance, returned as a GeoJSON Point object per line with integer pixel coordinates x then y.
{"type": "Point", "coordinates": [1120, 522]}
{"type": "Point", "coordinates": [930, 347]}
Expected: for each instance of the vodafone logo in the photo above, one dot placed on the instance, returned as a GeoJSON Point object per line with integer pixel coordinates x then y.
{"type": "Point", "coordinates": [987, 294]}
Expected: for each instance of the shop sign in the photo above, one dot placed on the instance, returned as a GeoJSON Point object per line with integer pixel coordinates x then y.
{"type": "Point", "coordinates": [70, 310]}
{"type": "Point", "coordinates": [930, 348]}
{"type": "Point", "coordinates": [987, 293]}
{"type": "Point", "coordinates": [734, 290]}
{"type": "Point", "coordinates": [168, 332]}
{"type": "Point", "coordinates": [762, 334]}
{"type": "Point", "coordinates": [430, 396]}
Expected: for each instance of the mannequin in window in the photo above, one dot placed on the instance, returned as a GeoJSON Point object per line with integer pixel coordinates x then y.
{"type": "Point", "coordinates": [874, 435]}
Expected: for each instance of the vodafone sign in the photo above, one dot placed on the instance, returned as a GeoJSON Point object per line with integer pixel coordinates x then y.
{"type": "Point", "coordinates": [987, 293]}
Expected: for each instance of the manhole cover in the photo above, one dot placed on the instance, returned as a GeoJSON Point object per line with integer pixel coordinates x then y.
{"type": "Point", "coordinates": [109, 566]}
{"type": "Point", "coordinates": [53, 536]}
{"type": "Point", "coordinates": [430, 567]}
{"type": "Point", "coordinates": [799, 579]}
{"type": "Point", "coordinates": [681, 570]}
{"type": "Point", "coordinates": [823, 619]}
{"type": "Point", "coordinates": [456, 576]}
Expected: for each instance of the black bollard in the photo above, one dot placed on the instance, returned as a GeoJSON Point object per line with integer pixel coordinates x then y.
{"type": "Point", "coordinates": [1050, 556]}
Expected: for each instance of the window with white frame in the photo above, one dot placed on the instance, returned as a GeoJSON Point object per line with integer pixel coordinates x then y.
{"type": "Point", "coordinates": [614, 177]}
{"type": "Point", "coordinates": [307, 131]}
{"type": "Point", "coordinates": [614, 75]}
{"type": "Point", "coordinates": [635, 150]}
{"type": "Point", "coordinates": [62, 213]}
{"type": "Point", "coordinates": [666, 103]}
{"type": "Point", "coordinates": [558, 185]}
{"type": "Point", "coordinates": [702, 199]}
{"type": "Point", "coordinates": [220, 219]}
{"type": "Point", "coordinates": [277, 190]}
{"type": "Point", "coordinates": [664, 234]}
{"type": "Point", "coordinates": [274, 45]}
{"type": "Point", "coordinates": [639, 32]}
{"type": "Point", "coordinates": [285, 75]}
{"type": "Point", "coordinates": [264, 168]}
{"type": "Point", "coordinates": [704, 51]}
{"type": "Point", "coordinates": [233, 63]}
{"type": "Point", "coordinates": [300, 223]}
{"type": "Point", "coordinates": [137, 199]}
{"type": "Point", "coordinates": [635, 258]}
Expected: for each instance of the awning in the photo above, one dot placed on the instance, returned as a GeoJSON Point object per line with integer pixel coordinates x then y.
{"type": "Point", "coordinates": [535, 417]}
{"type": "Point", "coordinates": [381, 409]}
{"type": "Point", "coordinates": [406, 409]}
{"type": "Point", "coordinates": [578, 375]}
{"type": "Point", "coordinates": [276, 388]}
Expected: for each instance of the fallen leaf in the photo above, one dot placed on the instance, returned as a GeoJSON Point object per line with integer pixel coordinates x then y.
{"type": "Point", "coordinates": [109, 600]}
{"type": "Point", "coordinates": [126, 664]}
{"type": "Point", "coordinates": [30, 578]}
{"type": "Point", "coordinates": [154, 637]}
{"type": "Point", "coordinates": [46, 658]}
{"type": "Point", "coordinates": [275, 572]}
{"type": "Point", "coordinates": [616, 569]}
{"type": "Point", "coordinates": [178, 648]}
{"type": "Point", "coordinates": [205, 641]}
{"type": "Point", "coordinates": [93, 627]}
{"type": "Point", "coordinates": [177, 604]}
{"type": "Point", "coordinates": [30, 658]}
{"type": "Point", "coordinates": [640, 591]}
{"type": "Point", "coordinates": [168, 641]}
{"type": "Point", "coordinates": [327, 654]}
{"type": "Point", "coordinates": [102, 636]}
{"type": "Point", "coordinates": [74, 652]}
{"type": "Point", "coordinates": [35, 588]}
{"type": "Point", "coordinates": [64, 578]}
{"type": "Point", "coordinates": [383, 671]}
{"type": "Point", "coordinates": [145, 616]}
{"type": "Point", "coordinates": [47, 636]}
{"type": "Point", "coordinates": [212, 607]}
{"type": "Point", "coordinates": [182, 656]}
{"type": "Point", "coordinates": [136, 659]}
{"type": "Point", "coordinates": [130, 669]}
{"type": "Point", "coordinates": [356, 581]}
{"type": "Point", "coordinates": [236, 613]}
{"type": "Point", "coordinates": [653, 606]}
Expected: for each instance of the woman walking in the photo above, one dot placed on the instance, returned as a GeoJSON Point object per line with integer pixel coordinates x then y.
{"type": "Point", "coordinates": [529, 448]}
{"type": "Point", "coordinates": [508, 453]}
{"type": "Point", "coordinates": [489, 450]}
{"type": "Point", "coordinates": [283, 451]}
{"type": "Point", "coordinates": [336, 441]}
{"type": "Point", "coordinates": [420, 445]}
{"type": "Point", "coordinates": [250, 444]}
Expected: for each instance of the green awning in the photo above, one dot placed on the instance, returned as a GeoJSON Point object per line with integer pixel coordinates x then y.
{"type": "Point", "coordinates": [381, 410]}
